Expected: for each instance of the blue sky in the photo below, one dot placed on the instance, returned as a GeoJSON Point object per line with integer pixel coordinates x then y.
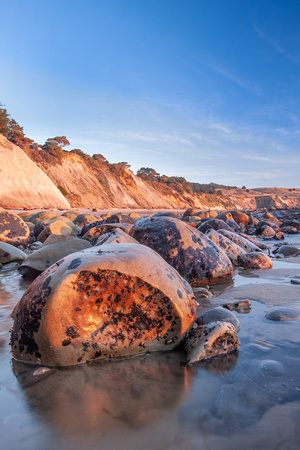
{"type": "Point", "coordinates": [208, 90]}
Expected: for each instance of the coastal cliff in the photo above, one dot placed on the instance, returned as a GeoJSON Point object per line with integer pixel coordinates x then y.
{"type": "Point", "coordinates": [23, 184]}
{"type": "Point", "coordinates": [33, 178]}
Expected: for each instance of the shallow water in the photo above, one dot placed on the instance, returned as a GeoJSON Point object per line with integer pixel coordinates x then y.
{"type": "Point", "coordinates": [244, 401]}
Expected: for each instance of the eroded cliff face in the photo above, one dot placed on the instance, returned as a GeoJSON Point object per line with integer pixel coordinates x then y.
{"type": "Point", "coordinates": [31, 182]}
{"type": "Point", "coordinates": [23, 184]}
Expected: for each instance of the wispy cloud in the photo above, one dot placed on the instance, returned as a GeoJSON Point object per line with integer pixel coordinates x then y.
{"type": "Point", "coordinates": [222, 70]}
{"type": "Point", "coordinates": [276, 45]}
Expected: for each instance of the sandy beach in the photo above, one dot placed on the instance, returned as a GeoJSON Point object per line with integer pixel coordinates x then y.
{"type": "Point", "coordinates": [238, 401]}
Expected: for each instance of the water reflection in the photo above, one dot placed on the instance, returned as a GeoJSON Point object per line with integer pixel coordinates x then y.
{"type": "Point", "coordinates": [220, 364]}
{"type": "Point", "coordinates": [106, 395]}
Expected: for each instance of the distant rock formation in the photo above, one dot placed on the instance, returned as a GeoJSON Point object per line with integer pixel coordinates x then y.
{"type": "Point", "coordinates": [23, 184]}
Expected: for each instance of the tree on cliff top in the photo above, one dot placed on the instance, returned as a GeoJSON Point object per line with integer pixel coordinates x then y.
{"type": "Point", "coordinates": [147, 173]}
{"type": "Point", "coordinates": [62, 141]}
{"type": "Point", "coordinates": [15, 134]}
{"type": "Point", "coordinates": [4, 120]}
{"type": "Point", "coordinates": [54, 146]}
{"type": "Point", "coordinates": [57, 141]}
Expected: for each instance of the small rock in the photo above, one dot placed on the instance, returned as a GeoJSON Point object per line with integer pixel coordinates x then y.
{"type": "Point", "coordinates": [242, 306]}
{"type": "Point", "coordinates": [287, 250]}
{"type": "Point", "coordinates": [254, 260]}
{"type": "Point", "coordinates": [218, 314]}
{"type": "Point", "coordinates": [283, 314]}
{"type": "Point", "coordinates": [207, 341]}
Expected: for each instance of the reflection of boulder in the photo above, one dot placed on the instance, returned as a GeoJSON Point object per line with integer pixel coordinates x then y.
{"type": "Point", "coordinates": [105, 396]}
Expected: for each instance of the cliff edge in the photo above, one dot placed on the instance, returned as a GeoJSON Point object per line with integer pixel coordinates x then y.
{"type": "Point", "coordinates": [23, 184]}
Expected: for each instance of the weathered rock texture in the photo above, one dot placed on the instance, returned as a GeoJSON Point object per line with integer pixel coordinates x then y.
{"type": "Point", "coordinates": [23, 184]}
{"type": "Point", "coordinates": [116, 300]}
{"type": "Point", "coordinates": [197, 258]}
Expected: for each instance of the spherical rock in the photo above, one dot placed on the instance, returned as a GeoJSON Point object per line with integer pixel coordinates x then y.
{"type": "Point", "coordinates": [231, 249]}
{"type": "Point", "coordinates": [290, 230]}
{"type": "Point", "coordinates": [9, 253]}
{"type": "Point", "coordinates": [83, 219]}
{"type": "Point", "coordinates": [186, 249]}
{"type": "Point", "coordinates": [205, 214]}
{"type": "Point", "coordinates": [215, 224]}
{"type": "Point", "coordinates": [240, 217]}
{"type": "Point", "coordinates": [71, 215]}
{"type": "Point", "coordinates": [190, 212]}
{"type": "Point", "coordinates": [48, 254]}
{"type": "Point", "coordinates": [42, 216]}
{"type": "Point", "coordinates": [254, 260]}
{"type": "Point", "coordinates": [293, 223]}
{"type": "Point", "coordinates": [208, 341]}
{"type": "Point", "coordinates": [57, 227]}
{"type": "Point", "coordinates": [120, 218]}
{"type": "Point", "coordinates": [267, 232]}
{"type": "Point", "coordinates": [30, 225]}
{"type": "Point", "coordinates": [218, 314]}
{"type": "Point", "coordinates": [93, 234]}
{"type": "Point", "coordinates": [13, 229]}
{"type": "Point", "coordinates": [246, 244]}
{"type": "Point", "coordinates": [117, 300]}
{"type": "Point", "coordinates": [287, 251]}
{"type": "Point", "coordinates": [240, 306]}
{"type": "Point", "coordinates": [255, 241]}
{"type": "Point", "coordinates": [191, 219]}
{"type": "Point", "coordinates": [263, 224]}
{"type": "Point", "coordinates": [283, 314]}
{"type": "Point", "coordinates": [224, 216]}
{"type": "Point", "coordinates": [117, 236]}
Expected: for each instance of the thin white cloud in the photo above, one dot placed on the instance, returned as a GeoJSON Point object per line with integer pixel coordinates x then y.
{"type": "Point", "coordinates": [276, 45]}
{"type": "Point", "coordinates": [232, 77]}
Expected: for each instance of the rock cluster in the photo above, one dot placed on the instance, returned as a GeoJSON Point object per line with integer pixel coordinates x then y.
{"type": "Point", "coordinates": [119, 285]}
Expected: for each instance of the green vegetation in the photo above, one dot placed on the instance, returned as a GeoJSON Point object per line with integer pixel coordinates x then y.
{"type": "Point", "coordinates": [12, 130]}
{"type": "Point", "coordinates": [4, 120]}
{"type": "Point", "coordinates": [147, 173]}
{"type": "Point", "coordinates": [62, 190]}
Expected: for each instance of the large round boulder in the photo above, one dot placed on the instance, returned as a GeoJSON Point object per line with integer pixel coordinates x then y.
{"type": "Point", "coordinates": [82, 219]}
{"type": "Point", "coordinates": [59, 228]}
{"type": "Point", "coordinates": [255, 260]}
{"type": "Point", "coordinates": [10, 253]}
{"type": "Point", "coordinates": [215, 224]}
{"type": "Point", "coordinates": [118, 236]}
{"type": "Point", "coordinates": [13, 229]}
{"type": "Point", "coordinates": [240, 217]}
{"type": "Point", "coordinates": [247, 245]}
{"type": "Point", "coordinates": [231, 249]}
{"type": "Point", "coordinates": [48, 254]}
{"type": "Point", "coordinates": [93, 234]}
{"type": "Point", "coordinates": [186, 249]}
{"type": "Point", "coordinates": [117, 300]}
{"type": "Point", "coordinates": [120, 218]}
{"type": "Point", "coordinates": [42, 216]}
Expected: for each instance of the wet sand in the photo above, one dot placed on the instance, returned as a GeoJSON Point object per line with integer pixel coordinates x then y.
{"type": "Point", "coordinates": [245, 401]}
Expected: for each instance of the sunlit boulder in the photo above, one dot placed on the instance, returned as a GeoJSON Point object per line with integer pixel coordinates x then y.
{"type": "Point", "coordinates": [186, 249]}
{"type": "Point", "coordinates": [104, 302]}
